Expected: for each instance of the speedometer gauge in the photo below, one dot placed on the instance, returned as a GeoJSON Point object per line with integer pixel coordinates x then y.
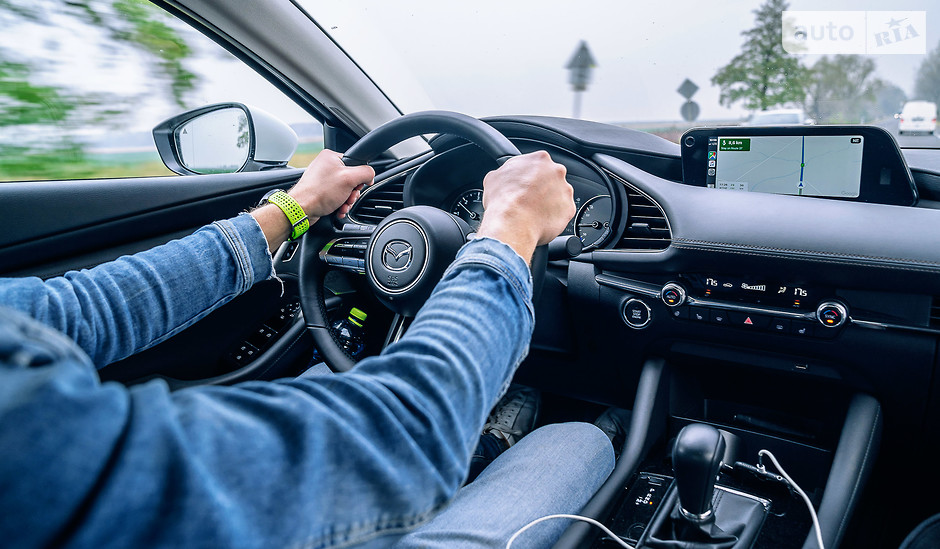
{"type": "Point", "coordinates": [469, 207]}
{"type": "Point", "coordinates": [592, 224]}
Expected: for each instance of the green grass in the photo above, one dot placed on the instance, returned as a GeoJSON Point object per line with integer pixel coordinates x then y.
{"type": "Point", "coordinates": [40, 167]}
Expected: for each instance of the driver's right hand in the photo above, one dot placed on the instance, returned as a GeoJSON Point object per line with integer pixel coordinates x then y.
{"type": "Point", "coordinates": [527, 202]}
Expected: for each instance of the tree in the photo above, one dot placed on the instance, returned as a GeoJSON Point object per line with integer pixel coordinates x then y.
{"type": "Point", "coordinates": [763, 75]}
{"type": "Point", "coordinates": [888, 98]}
{"type": "Point", "coordinates": [38, 115]}
{"type": "Point", "coordinates": [927, 84]}
{"type": "Point", "coordinates": [842, 89]}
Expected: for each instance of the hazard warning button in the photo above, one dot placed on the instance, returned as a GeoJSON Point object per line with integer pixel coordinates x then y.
{"type": "Point", "coordinates": [748, 320]}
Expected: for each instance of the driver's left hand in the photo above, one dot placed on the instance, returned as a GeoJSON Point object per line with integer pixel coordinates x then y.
{"type": "Point", "coordinates": [329, 186]}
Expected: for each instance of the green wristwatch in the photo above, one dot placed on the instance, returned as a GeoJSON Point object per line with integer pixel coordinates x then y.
{"type": "Point", "coordinates": [295, 214]}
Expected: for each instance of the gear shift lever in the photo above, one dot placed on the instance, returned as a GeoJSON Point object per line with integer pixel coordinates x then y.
{"type": "Point", "coordinates": [696, 458]}
{"type": "Point", "coordinates": [686, 519]}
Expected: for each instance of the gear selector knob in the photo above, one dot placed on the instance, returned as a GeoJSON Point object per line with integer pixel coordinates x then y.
{"type": "Point", "coordinates": [696, 458]}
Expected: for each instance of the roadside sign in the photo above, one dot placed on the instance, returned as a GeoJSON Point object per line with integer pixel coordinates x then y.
{"type": "Point", "coordinates": [687, 89]}
{"type": "Point", "coordinates": [689, 111]}
{"type": "Point", "coordinates": [580, 66]}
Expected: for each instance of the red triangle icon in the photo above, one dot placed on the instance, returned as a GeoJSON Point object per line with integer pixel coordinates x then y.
{"type": "Point", "coordinates": [748, 320]}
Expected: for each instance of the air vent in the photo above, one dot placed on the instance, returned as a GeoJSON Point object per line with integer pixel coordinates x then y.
{"type": "Point", "coordinates": [935, 312]}
{"type": "Point", "coordinates": [647, 227]}
{"type": "Point", "coordinates": [380, 201]}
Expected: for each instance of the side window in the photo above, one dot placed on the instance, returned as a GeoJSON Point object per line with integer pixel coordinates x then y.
{"type": "Point", "coordinates": [82, 83]}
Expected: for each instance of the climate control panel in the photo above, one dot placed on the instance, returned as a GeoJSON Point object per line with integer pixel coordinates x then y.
{"type": "Point", "coordinates": [684, 303]}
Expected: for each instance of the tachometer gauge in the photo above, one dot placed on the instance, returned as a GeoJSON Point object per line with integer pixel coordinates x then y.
{"type": "Point", "coordinates": [592, 224]}
{"type": "Point", "coordinates": [469, 207]}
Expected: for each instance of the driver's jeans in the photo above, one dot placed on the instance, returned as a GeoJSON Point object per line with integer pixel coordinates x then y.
{"type": "Point", "coordinates": [371, 457]}
{"type": "Point", "coordinates": [553, 470]}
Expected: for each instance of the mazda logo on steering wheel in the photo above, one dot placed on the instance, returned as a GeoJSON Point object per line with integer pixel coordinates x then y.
{"type": "Point", "coordinates": [397, 255]}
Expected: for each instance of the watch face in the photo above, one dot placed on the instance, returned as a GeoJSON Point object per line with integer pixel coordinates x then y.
{"type": "Point", "coordinates": [267, 195]}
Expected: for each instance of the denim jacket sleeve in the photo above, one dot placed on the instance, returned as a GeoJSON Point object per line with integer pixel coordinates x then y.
{"type": "Point", "coordinates": [350, 459]}
{"type": "Point", "coordinates": [125, 306]}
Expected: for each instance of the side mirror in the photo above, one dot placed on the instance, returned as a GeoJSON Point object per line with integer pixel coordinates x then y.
{"type": "Point", "coordinates": [224, 138]}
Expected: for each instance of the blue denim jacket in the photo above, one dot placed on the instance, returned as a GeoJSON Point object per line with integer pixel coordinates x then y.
{"type": "Point", "coordinates": [352, 459]}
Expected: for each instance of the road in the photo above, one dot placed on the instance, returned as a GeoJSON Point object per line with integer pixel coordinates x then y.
{"type": "Point", "coordinates": [910, 141]}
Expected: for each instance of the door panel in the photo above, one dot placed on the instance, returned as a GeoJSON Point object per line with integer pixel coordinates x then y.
{"type": "Point", "coordinates": [52, 227]}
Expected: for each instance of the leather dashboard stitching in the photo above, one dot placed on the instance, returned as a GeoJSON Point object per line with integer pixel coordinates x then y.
{"type": "Point", "coordinates": [882, 262]}
{"type": "Point", "coordinates": [806, 252]}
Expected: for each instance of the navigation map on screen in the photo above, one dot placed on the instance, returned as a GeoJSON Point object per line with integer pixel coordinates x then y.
{"type": "Point", "coordinates": [819, 165]}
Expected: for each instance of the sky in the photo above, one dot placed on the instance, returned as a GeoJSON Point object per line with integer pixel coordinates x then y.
{"type": "Point", "coordinates": [482, 58]}
{"type": "Point", "coordinates": [507, 57]}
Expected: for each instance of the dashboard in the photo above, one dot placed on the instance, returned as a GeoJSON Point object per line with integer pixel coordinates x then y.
{"type": "Point", "coordinates": [460, 192]}
{"type": "Point", "coordinates": [649, 216]}
{"type": "Point", "coordinates": [773, 309]}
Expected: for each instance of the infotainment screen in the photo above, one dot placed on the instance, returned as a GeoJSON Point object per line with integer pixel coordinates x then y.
{"type": "Point", "coordinates": [820, 165]}
{"type": "Point", "coordinates": [857, 162]}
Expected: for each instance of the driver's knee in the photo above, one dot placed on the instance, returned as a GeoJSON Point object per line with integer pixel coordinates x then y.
{"type": "Point", "coordinates": [575, 441]}
{"type": "Point", "coordinates": [565, 453]}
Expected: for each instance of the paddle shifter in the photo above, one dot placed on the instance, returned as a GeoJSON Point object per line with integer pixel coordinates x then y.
{"type": "Point", "coordinates": [696, 458]}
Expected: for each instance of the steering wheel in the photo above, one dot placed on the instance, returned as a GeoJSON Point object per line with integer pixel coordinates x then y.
{"type": "Point", "coordinates": [405, 254]}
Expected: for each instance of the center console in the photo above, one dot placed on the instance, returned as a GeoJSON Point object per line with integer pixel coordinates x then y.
{"type": "Point", "coordinates": [704, 483]}
{"type": "Point", "coordinates": [806, 364]}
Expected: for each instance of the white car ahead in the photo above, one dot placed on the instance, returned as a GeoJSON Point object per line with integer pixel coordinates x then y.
{"type": "Point", "coordinates": [918, 117]}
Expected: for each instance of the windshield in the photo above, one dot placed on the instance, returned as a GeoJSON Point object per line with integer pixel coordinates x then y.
{"type": "Point", "coordinates": [656, 67]}
{"type": "Point", "coordinates": [771, 119]}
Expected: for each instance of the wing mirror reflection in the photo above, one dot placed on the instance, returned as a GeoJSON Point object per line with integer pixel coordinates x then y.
{"type": "Point", "coordinates": [224, 138]}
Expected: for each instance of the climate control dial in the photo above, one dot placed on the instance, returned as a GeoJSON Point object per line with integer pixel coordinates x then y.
{"type": "Point", "coordinates": [831, 314]}
{"type": "Point", "coordinates": [673, 294]}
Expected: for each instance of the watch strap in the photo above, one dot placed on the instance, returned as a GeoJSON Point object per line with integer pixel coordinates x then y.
{"type": "Point", "coordinates": [294, 212]}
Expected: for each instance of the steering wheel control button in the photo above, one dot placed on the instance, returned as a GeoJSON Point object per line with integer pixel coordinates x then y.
{"type": "Point", "coordinates": [636, 314]}
{"type": "Point", "coordinates": [673, 294]}
{"type": "Point", "coordinates": [831, 314]}
{"type": "Point", "coordinates": [346, 253]}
